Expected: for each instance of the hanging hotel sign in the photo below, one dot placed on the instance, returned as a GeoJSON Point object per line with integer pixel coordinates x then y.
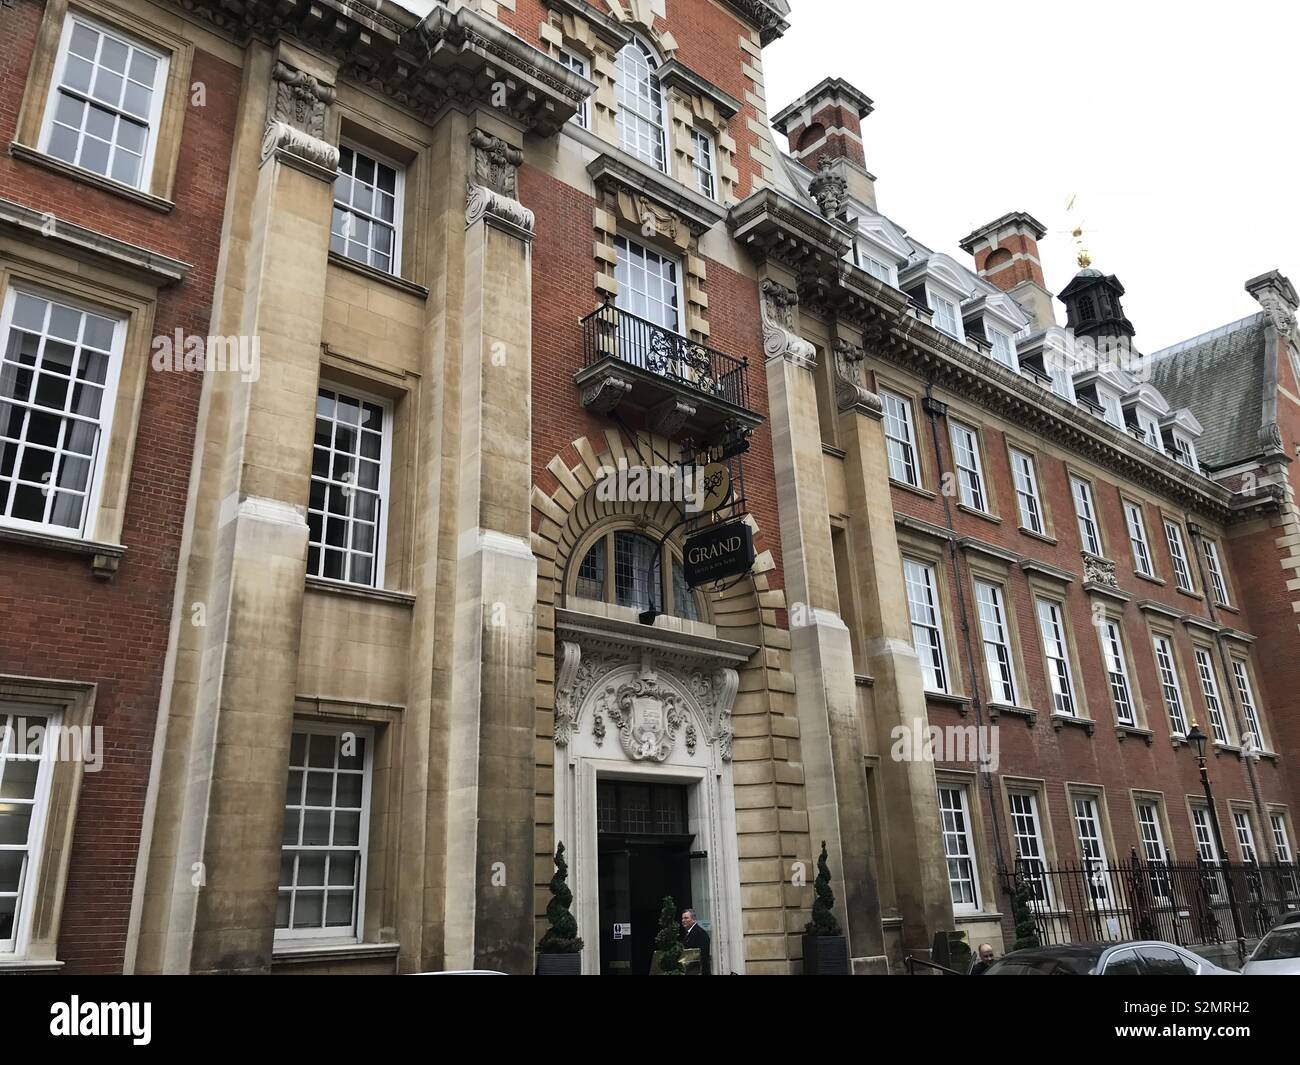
{"type": "Point", "coordinates": [717, 552]}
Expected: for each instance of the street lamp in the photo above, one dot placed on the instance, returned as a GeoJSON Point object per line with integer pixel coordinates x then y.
{"type": "Point", "coordinates": [1197, 739]}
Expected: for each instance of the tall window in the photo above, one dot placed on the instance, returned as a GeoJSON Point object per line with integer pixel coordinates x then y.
{"type": "Point", "coordinates": [1217, 583]}
{"type": "Point", "coordinates": [1169, 687]}
{"type": "Point", "coordinates": [1086, 512]}
{"type": "Point", "coordinates": [1207, 849]}
{"type": "Point", "coordinates": [1137, 538]}
{"type": "Point", "coordinates": [945, 314]}
{"type": "Point", "coordinates": [640, 117]}
{"type": "Point", "coordinates": [997, 643]}
{"type": "Point", "coordinates": [58, 378]}
{"type": "Point", "coordinates": [1281, 841]}
{"type": "Point", "coordinates": [1245, 836]}
{"type": "Point", "coordinates": [1246, 694]}
{"type": "Point", "coordinates": [966, 457]}
{"type": "Point", "coordinates": [647, 284]}
{"type": "Point", "coordinates": [1028, 839]}
{"type": "Point", "coordinates": [1153, 847]}
{"type": "Point", "coordinates": [349, 488]}
{"type": "Point", "coordinates": [1182, 574]}
{"type": "Point", "coordinates": [624, 568]}
{"type": "Point", "coordinates": [576, 63]}
{"type": "Point", "coordinates": [900, 438]}
{"type": "Point", "coordinates": [703, 164]}
{"type": "Point", "coordinates": [25, 771]}
{"type": "Point", "coordinates": [1031, 510]}
{"type": "Point", "coordinates": [959, 849]}
{"type": "Point", "coordinates": [1087, 827]}
{"type": "Point", "coordinates": [367, 211]}
{"type": "Point", "coordinates": [326, 818]}
{"type": "Point", "coordinates": [1210, 689]}
{"type": "Point", "coordinates": [1112, 645]}
{"type": "Point", "coordinates": [1052, 627]}
{"type": "Point", "coordinates": [927, 625]}
{"type": "Point", "coordinates": [103, 114]}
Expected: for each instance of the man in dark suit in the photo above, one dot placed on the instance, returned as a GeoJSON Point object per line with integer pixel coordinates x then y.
{"type": "Point", "coordinates": [695, 937]}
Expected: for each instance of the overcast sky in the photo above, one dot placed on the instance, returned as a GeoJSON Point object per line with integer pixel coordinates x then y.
{"type": "Point", "coordinates": [1175, 125]}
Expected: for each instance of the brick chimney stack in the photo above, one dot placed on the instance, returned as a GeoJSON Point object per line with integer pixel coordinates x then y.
{"type": "Point", "coordinates": [1006, 255]}
{"type": "Point", "coordinates": [827, 122]}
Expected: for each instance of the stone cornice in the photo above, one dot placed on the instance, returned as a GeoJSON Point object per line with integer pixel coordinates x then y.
{"type": "Point", "coordinates": [606, 29]}
{"type": "Point", "coordinates": [767, 16]}
{"type": "Point", "coordinates": [772, 226]}
{"type": "Point", "coordinates": [675, 74]}
{"type": "Point", "coordinates": [699, 213]}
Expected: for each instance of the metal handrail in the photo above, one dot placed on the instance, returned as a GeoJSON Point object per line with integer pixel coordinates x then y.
{"type": "Point", "coordinates": [610, 332]}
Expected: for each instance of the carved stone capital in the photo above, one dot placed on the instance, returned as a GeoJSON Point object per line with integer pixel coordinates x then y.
{"type": "Point", "coordinates": [780, 341]}
{"type": "Point", "coordinates": [297, 120]}
{"type": "Point", "coordinates": [492, 191]}
{"type": "Point", "coordinates": [850, 392]}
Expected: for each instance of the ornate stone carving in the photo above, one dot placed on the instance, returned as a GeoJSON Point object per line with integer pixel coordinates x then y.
{"type": "Point", "coordinates": [604, 394]}
{"type": "Point", "coordinates": [715, 690]}
{"type": "Point", "coordinates": [1280, 313]}
{"type": "Point", "coordinates": [577, 674]}
{"type": "Point", "coordinates": [648, 719]}
{"type": "Point", "coordinates": [850, 392]}
{"type": "Point", "coordinates": [777, 306]}
{"type": "Point", "coordinates": [493, 185]}
{"type": "Point", "coordinates": [828, 188]}
{"type": "Point", "coordinates": [296, 120]}
{"type": "Point", "coordinates": [655, 220]}
{"type": "Point", "coordinates": [1270, 437]}
{"type": "Point", "coordinates": [670, 416]}
{"type": "Point", "coordinates": [1099, 571]}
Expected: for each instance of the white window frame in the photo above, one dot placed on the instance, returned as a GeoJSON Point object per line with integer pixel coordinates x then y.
{"type": "Point", "coordinates": [1056, 647]}
{"type": "Point", "coordinates": [1207, 848]}
{"type": "Point", "coordinates": [1185, 451]}
{"type": "Point", "coordinates": [877, 268]}
{"type": "Point", "coordinates": [1025, 814]}
{"type": "Point", "coordinates": [1246, 696]}
{"type": "Point", "coordinates": [1117, 673]}
{"type": "Point", "coordinates": [1151, 432]}
{"type": "Point", "coordinates": [580, 65]}
{"type": "Point", "coordinates": [1281, 840]}
{"type": "Point", "coordinates": [357, 933]}
{"type": "Point", "coordinates": [1218, 582]}
{"type": "Point", "coordinates": [158, 91]}
{"type": "Point", "coordinates": [1151, 834]}
{"type": "Point", "coordinates": [1137, 538]}
{"type": "Point", "coordinates": [906, 459]}
{"type": "Point", "coordinates": [384, 492]}
{"type": "Point", "coordinates": [1085, 512]}
{"type": "Point", "coordinates": [1178, 555]}
{"type": "Point", "coordinates": [1245, 836]}
{"type": "Point", "coordinates": [1085, 813]}
{"type": "Point", "coordinates": [1003, 352]}
{"type": "Point", "coordinates": [107, 408]}
{"type": "Point", "coordinates": [31, 872]}
{"type": "Point", "coordinates": [630, 134]}
{"type": "Point", "coordinates": [946, 313]}
{"type": "Point", "coordinates": [995, 634]}
{"type": "Point", "coordinates": [399, 201]}
{"type": "Point", "coordinates": [924, 611]}
{"type": "Point", "coordinates": [1167, 671]}
{"type": "Point", "coordinates": [959, 845]}
{"type": "Point", "coordinates": [1111, 407]}
{"type": "Point", "coordinates": [1210, 693]}
{"type": "Point", "coordinates": [706, 176]}
{"type": "Point", "coordinates": [1028, 502]}
{"type": "Point", "coordinates": [626, 271]}
{"type": "Point", "coordinates": [968, 465]}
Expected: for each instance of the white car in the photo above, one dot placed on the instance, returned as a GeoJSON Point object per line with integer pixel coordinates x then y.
{"type": "Point", "coordinates": [1278, 953]}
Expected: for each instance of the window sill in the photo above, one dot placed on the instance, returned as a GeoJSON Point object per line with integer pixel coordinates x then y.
{"type": "Point", "coordinates": [1145, 734]}
{"type": "Point", "coordinates": [315, 953]}
{"type": "Point", "coordinates": [979, 916]}
{"type": "Point", "coordinates": [1040, 536]}
{"type": "Point", "coordinates": [104, 558]}
{"type": "Point", "coordinates": [960, 702]}
{"type": "Point", "coordinates": [915, 489]}
{"type": "Point", "coordinates": [1106, 591]}
{"type": "Point", "coordinates": [1191, 594]}
{"type": "Point", "coordinates": [89, 177]}
{"type": "Point", "coordinates": [359, 591]}
{"type": "Point", "coordinates": [975, 512]}
{"type": "Point", "coordinates": [1059, 721]}
{"type": "Point", "coordinates": [1148, 577]}
{"type": "Point", "coordinates": [12, 966]}
{"type": "Point", "coordinates": [392, 280]}
{"type": "Point", "coordinates": [1028, 713]}
{"type": "Point", "coordinates": [1226, 606]}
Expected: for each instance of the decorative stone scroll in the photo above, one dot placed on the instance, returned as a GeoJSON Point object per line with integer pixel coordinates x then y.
{"type": "Point", "coordinates": [828, 189]}
{"type": "Point", "coordinates": [492, 190]}
{"type": "Point", "coordinates": [780, 341]}
{"type": "Point", "coordinates": [296, 121]}
{"type": "Point", "coordinates": [850, 392]}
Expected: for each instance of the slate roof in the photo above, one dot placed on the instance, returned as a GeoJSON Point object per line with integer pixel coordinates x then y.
{"type": "Point", "coordinates": [1219, 376]}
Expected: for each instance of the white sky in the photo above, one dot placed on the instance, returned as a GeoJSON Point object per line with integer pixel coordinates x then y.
{"type": "Point", "coordinates": [1174, 124]}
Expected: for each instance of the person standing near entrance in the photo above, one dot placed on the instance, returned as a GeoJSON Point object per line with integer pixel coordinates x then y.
{"type": "Point", "coordinates": [984, 961]}
{"type": "Point", "coordinates": [694, 937]}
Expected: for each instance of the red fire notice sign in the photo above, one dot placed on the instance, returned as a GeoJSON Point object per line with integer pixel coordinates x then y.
{"type": "Point", "coordinates": [719, 551]}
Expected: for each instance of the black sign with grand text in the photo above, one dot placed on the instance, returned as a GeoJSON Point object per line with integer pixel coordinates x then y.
{"type": "Point", "coordinates": [719, 551]}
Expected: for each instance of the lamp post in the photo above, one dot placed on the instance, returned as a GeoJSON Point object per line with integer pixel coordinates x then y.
{"type": "Point", "coordinates": [1197, 739]}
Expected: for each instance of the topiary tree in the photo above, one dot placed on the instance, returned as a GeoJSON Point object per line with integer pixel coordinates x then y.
{"type": "Point", "coordinates": [1022, 914]}
{"type": "Point", "coordinates": [823, 921]}
{"type": "Point", "coordinates": [668, 946]}
{"type": "Point", "coordinates": [562, 936]}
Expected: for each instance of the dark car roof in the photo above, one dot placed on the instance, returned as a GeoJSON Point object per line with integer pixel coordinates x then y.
{"type": "Point", "coordinates": [1078, 958]}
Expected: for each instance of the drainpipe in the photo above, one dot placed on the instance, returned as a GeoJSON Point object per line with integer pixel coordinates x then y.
{"type": "Point", "coordinates": [935, 409]}
{"type": "Point", "coordinates": [1220, 644]}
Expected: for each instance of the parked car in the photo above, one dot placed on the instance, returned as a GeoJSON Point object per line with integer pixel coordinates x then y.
{"type": "Point", "coordinates": [1290, 917]}
{"type": "Point", "coordinates": [1278, 953]}
{"type": "Point", "coordinates": [1134, 958]}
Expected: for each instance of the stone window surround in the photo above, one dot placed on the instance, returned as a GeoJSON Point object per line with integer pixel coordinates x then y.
{"type": "Point", "coordinates": [1189, 558]}
{"type": "Point", "coordinates": [1075, 472]}
{"type": "Point", "coordinates": [74, 701]}
{"type": "Point", "coordinates": [1114, 613]}
{"type": "Point", "coordinates": [1225, 699]}
{"type": "Point", "coordinates": [134, 301]}
{"type": "Point", "coordinates": [1047, 833]}
{"type": "Point", "coordinates": [981, 568]}
{"type": "Point", "coordinates": [1031, 451]}
{"type": "Point", "coordinates": [1127, 499]}
{"type": "Point", "coordinates": [158, 190]}
{"type": "Point", "coordinates": [1049, 589]}
{"type": "Point", "coordinates": [1097, 793]}
{"type": "Point", "coordinates": [1156, 799]}
{"type": "Point", "coordinates": [915, 546]}
{"type": "Point", "coordinates": [1165, 629]}
{"type": "Point", "coordinates": [1248, 664]}
{"type": "Point", "coordinates": [924, 457]}
{"type": "Point", "coordinates": [986, 482]}
{"type": "Point", "coordinates": [985, 878]}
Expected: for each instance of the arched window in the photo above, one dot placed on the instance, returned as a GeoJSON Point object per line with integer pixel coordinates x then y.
{"type": "Point", "coordinates": [624, 568]}
{"type": "Point", "coordinates": [640, 105]}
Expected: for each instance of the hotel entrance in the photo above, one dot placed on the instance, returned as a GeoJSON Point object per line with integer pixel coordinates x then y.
{"type": "Point", "coordinates": [645, 852]}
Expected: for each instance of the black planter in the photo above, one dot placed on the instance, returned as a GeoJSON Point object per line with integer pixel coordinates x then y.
{"type": "Point", "coordinates": [559, 965]}
{"type": "Point", "coordinates": [825, 955]}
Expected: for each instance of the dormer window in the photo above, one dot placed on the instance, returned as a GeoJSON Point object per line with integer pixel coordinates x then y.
{"type": "Point", "coordinates": [1185, 451]}
{"type": "Point", "coordinates": [877, 269]}
{"type": "Point", "coordinates": [1004, 349]}
{"type": "Point", "coordinates": [1110, 405]}
{"type": "Point", "coordinates": [945, 314]}
{"type": "Point", "coordinates": [640, 117]}
{"type": "Point", "coordinates": [1150, 432]}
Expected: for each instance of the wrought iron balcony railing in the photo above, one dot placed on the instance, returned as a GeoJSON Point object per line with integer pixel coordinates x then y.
{"type": "Point", "coordinates": [609, 332]}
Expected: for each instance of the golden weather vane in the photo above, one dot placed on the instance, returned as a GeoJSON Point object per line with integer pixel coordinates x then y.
{"type": "Point", "coordinates": [1082, 255]}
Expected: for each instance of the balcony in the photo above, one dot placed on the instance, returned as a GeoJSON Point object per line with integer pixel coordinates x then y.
{"type": "Point", "coordinates": [680, 385]}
